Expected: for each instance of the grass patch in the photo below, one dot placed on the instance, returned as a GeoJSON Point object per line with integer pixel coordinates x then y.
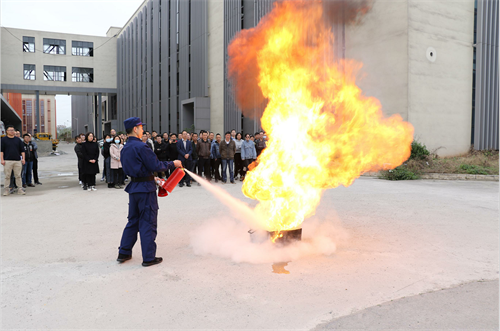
{"type": "Point", "coordinates": [473, 169]}
{"type": "Point", "coordinates": [474, 162]}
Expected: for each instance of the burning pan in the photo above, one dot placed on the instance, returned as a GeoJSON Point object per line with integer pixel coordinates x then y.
{"type": "Point", "coordinates": [287, 236]}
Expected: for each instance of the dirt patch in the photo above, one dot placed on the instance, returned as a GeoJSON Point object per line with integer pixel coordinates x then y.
{"type": "Point", "coordinates": [474, 162]}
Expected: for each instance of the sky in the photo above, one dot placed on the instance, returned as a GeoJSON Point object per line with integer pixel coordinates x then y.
{"type": "Point", "coordinates": [90, 17]}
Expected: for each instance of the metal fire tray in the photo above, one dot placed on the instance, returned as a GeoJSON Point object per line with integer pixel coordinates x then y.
{"type": "Point", "coordinates": [286, 236]}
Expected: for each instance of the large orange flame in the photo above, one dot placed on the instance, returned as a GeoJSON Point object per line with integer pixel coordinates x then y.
{"type": "Point", "coordinates": [323, 132]}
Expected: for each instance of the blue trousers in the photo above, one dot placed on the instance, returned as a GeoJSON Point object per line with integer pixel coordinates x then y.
{"type": "Point", "coordinates": [142, 218]}
{"type": "Point", "coordinates": [225, 162]}
{"type": "Point", "coordinates": [26, 174]}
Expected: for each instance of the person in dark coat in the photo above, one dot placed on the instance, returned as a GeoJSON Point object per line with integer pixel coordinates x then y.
{"type": "Point", "coordinates": [185, 151]}
{"type": "Point", "coordinates": [227, 150]}
{"type": "Point", "coordinates": [203, 151]}
{"type": "Point", "coordinates": [139, 162]}
{"type": "Point", "coordinates": [161, 149]}
{"type": "Point", "coordinates": [79, 154]}
{"type": "Point", "coordinates": [161, 152]}
{"type": "Point", "coordinates": [106, 171]}
{"type": "Point", "coordinates": [35, 161]}
{"type": "Point", "coordinates": [194, 155]}
{"type": "Point", "coordinates": [28, 165]}
{"type": "Point", "coordinates": [90, 152]}
{"type": "Point", "coordinates": [172, 150]}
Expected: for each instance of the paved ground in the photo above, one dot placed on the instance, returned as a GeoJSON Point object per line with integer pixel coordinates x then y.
{"type": "Point", "coordinates": [471, 306]}
{"type": "Point", "coordinates": [395, 241]}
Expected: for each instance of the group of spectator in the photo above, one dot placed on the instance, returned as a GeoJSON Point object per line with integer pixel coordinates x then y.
{"type": "Point", "coordinates": [205, 153]}
{"type": "Point", "coordinates": [88, 150]}
{"type": "Point", "coordinates": [208, 154]}
{"type": "Point", "coordinates": [20, 160]}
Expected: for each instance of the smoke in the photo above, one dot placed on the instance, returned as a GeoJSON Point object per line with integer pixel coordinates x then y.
{"type": "Point", "coordinates": [230, 239]}
{"type": "Point", "coordinates": [243, 69]}
{"type": "Point", "coordinates": [349, 12]}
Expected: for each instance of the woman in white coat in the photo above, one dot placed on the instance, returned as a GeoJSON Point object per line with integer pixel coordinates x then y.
{"type": "Point", "coordinates": [115, 163]}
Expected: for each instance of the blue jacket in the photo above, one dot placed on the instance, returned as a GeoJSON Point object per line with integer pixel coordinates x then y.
{"type": "Point", "coordinates": [183, 151]}
{"type": "Point", "coordinates": [248, 151]}
{"type": "Point", "coordinates": [215, 150]}
{"type": "Point", "coordinates": [138, 160]}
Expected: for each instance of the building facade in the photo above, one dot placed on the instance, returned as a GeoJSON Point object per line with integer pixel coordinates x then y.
{"type": "Point", "coordinates": [48, 122]}
{"type": "Point", "coordinates": [44, 64]}
{"type": "Point", "coordinates": [434, 63]}
{"type": "Point", "coordinates": [418, 60]}
{"type": "Point", "coordinates": [24, 106]}
{"type": "Point", "coordinates": [163, 66]}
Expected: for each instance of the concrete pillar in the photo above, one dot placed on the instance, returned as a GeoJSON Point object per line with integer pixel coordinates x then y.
{"type": "Point", "coordinates": [37, 110]}
{"type": "Point", "coordinates": [99, 121]}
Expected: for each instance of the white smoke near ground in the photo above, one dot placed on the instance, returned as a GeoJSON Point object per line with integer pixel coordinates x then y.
{"type": "Point", "coordinates": [230, 239]}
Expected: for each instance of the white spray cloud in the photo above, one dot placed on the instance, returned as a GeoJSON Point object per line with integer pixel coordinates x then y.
{"type": "Point", "coordinates": [230, 239]}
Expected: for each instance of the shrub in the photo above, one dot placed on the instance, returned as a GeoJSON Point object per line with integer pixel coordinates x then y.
{"type": "Point", "coordinates": [418, 151]}
{"type": "Point", "coordinates": [399, 173]}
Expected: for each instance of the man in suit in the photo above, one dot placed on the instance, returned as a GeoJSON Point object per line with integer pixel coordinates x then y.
{"type": "Point", "coordinates": [185, 150]}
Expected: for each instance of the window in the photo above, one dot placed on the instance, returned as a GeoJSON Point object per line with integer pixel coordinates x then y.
{"type": "Point", "coordinates": [54, 73]}
{"type": "Point", "coordinates": [54, 46]}
{"type": "Point", "coordinates": [85, 75]}
{"type": "Point", "coordinates": [82, 48]}
{"type": "Point", "coordinates": [29, 44]}
{"type": "Point", "coordinates": [29, 72]}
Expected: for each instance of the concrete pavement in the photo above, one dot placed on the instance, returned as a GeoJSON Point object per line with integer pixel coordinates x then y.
{"type": "Point", "coordinates": [399, 240]}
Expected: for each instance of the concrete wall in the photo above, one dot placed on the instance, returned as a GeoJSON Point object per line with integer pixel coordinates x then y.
{"type": "Point", "coordinates": [380, 42]}
{"type": "Point", "coordinates": [440, 88]}
{"type": "Point", "coordinates": [216, 64]}
{"type": "Point", "coordinates": [13, 58]}
{"type": "Point", "coordinates": [394, 41]}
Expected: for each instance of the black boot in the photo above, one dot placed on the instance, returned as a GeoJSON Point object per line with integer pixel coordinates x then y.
{"type": "Point", "coordinates": [123, 257]}
{"type": "Point", "coordinates": [157, 260]}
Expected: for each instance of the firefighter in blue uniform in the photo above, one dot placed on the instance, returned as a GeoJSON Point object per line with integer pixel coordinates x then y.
{"type": "Point", "coordinates": [139, 162]}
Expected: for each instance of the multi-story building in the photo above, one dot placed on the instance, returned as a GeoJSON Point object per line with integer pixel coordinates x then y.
{"type": "Point", "coordinates": [24, 106]}
{"type": "Point", "coordinates": [44, 64]}
{"type": "Point", "coordinates": [434, 63]}
{"type": "Point", "coordinates": [47, 107]}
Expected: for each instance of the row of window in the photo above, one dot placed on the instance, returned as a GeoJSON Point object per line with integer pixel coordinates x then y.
{"type": "Point", "coordinates": [58, 46]}
{"type": "Point", "coordinates": [58, 73]}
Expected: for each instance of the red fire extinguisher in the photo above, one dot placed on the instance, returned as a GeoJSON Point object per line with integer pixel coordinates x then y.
{"type": "Point", "coordinates": [167, 186]}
